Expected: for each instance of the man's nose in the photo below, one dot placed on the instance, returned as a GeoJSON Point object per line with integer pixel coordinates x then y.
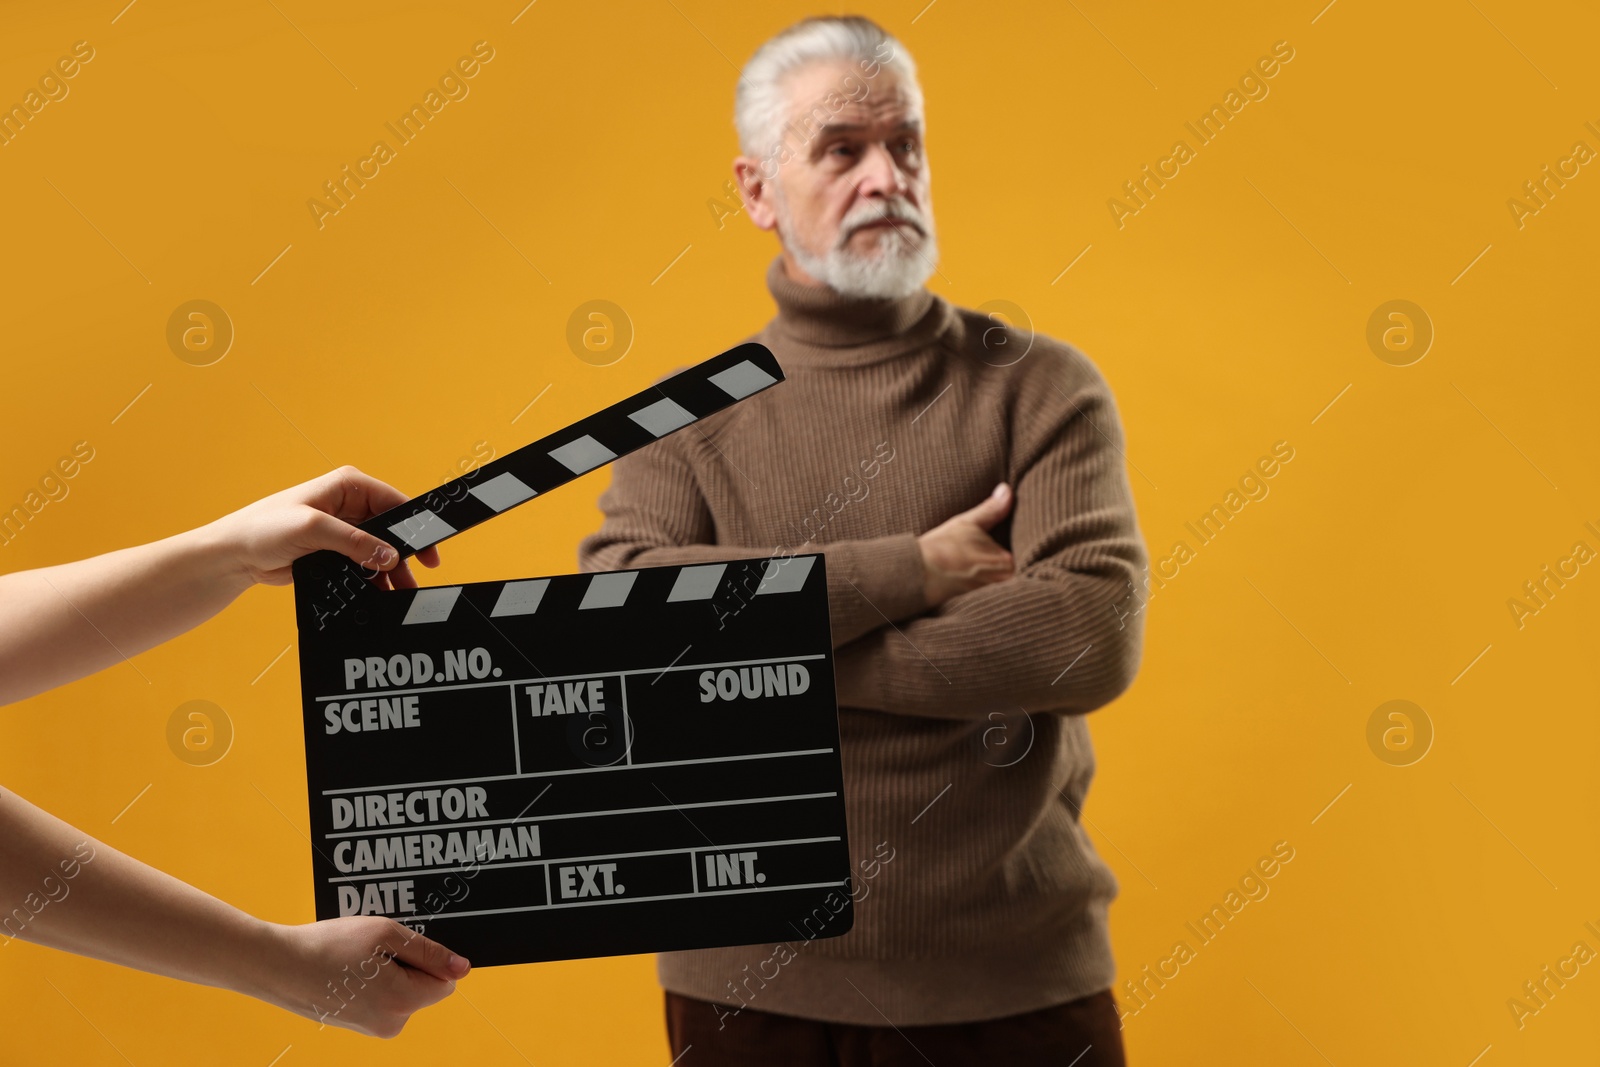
{"type": "Point", "coordinates": [880, 174]}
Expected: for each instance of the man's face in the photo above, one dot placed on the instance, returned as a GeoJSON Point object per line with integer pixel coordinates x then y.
{"type": "Point", "coordinates": [850, 198]}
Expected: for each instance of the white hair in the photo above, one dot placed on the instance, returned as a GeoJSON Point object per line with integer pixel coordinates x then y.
{"type": "Point", "coordinates": [761, 101]}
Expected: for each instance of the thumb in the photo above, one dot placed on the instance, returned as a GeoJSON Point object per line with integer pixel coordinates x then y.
{"type": "Point", "coordinates": [328, 532]}
{"type": "Point", "coordinates": [426, 954]}
{"type": "Point", "coordinates": [993, 509]}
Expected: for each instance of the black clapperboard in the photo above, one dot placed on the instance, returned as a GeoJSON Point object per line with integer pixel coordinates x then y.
{"type": "Point", "coordinates": [582, 764]}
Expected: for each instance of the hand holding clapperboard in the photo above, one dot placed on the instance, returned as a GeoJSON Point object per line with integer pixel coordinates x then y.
{"type": "Point", "coordinates": [584, 764]}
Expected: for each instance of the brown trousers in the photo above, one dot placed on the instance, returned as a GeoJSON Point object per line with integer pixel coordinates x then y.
{"type": "Point", "coordinates": [1079, 1033]}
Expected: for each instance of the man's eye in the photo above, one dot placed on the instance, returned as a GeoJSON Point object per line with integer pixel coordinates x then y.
{"type": "Point", "coordinates": [841, 148]}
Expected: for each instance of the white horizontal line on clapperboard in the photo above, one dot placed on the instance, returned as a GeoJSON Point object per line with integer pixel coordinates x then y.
{"type": "Point", "coordinates": [625, 900]}
{"type": "Point", "coordinates": [385, 788]}
{"type": "Point", "coordinates": [581, 859]}
{"type": "Point", "coordinates": [390, 831]}
{"type": "Point", "coordinates": [568, 677]}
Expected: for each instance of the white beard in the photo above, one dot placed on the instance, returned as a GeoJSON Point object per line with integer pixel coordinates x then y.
{"type": "Point", "coordinates": [896, 269]}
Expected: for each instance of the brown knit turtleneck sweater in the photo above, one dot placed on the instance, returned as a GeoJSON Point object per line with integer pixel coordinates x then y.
{"type": "Point", "coordinates": [966, 754]}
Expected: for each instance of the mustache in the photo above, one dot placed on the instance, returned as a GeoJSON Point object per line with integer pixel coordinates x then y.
{"type": "Point", "coordinates": [897, 210]}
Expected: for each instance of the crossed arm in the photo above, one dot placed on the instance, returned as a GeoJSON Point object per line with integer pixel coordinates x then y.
{"type": "Point", "coordinates": [948, 623]}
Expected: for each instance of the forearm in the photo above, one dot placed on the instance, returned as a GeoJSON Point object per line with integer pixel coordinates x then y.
{"type": "Point", "coordinates": [61, 888]}
{"type": "Point", "coordinates": [1039, 644]}
{"type": "Point", "coordinates": [60, 623]}
{"type": "Point", "coordinates": [871, 582]}
{"type": "Point", "coordinates": [1059, 635]}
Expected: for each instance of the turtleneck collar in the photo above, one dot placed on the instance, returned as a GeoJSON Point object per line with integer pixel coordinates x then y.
{"type": "Point", "coordinates": [827, 328]}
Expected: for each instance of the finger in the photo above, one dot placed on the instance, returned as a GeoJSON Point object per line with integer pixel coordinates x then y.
{"type": "Point", "coordinates": [989, 572]}
{"type": "Point", "coordinates": [423, 989]}
{"type": "Point", "coordinates": [351, 494]}
{"type": "Point", "coordinates": [428, 557]}
{"type": "Point", "coordinates": [339, 536]}
{"type": "Point", "coordinates": [401, 577]}
{"type": "Point", "coordinates": [992, 566]}
{"type": "Point", "coordinates": [993, 509]}
{"type": "Point", "coordinates": [426, 954]}
{"type": "Point", "coordinates": [1000, 574]}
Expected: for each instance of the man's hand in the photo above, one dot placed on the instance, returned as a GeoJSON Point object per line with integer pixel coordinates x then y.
{"type": "Point", "coordinates": [264, 538]}
{"type": "Point", "coordinates": [364, 973]}
{"type": "Point", "coordinates": [958, 555]}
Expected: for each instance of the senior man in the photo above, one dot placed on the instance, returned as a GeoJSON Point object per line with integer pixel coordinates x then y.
{"type": "Point", "coordinates": [967, 486]}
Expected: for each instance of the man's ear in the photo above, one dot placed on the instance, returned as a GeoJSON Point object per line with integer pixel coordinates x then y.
{"type": "Point", "coordinates": [757, 192]}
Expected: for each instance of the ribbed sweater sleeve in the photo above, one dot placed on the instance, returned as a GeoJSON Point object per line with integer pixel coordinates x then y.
{"type": "Point", "coordinates": [1047, 639]}
{"type": "Point", "coordinates": [656, 514]}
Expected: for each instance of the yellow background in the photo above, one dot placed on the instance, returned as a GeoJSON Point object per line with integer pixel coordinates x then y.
{"type": "Point", "coordinates": [1226, 314]}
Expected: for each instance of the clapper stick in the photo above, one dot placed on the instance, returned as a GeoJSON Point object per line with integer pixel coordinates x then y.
{"type": "Point", "coordinates": [558, 458]}
{"type": "Point", "coordinates": [325, 581]}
